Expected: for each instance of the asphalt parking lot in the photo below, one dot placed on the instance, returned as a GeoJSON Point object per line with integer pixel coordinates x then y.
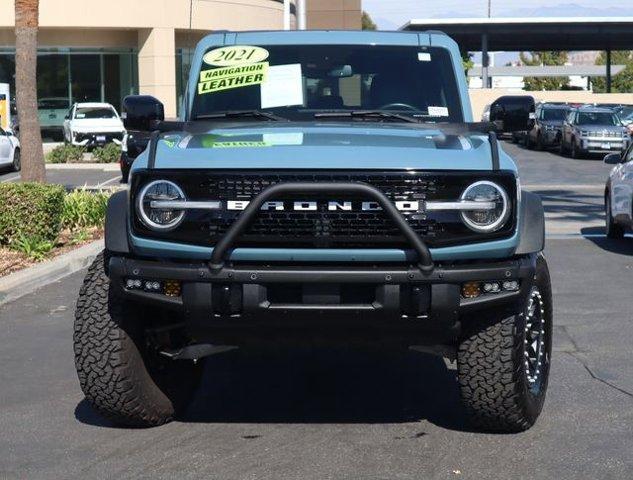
{"type": "Point", "coordinates": [98, 176]}
{"type": "Point", "coordinates": [333, 415]}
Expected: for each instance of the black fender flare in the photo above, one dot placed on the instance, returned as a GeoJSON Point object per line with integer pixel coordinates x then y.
{"type": "Point", "coordinates": [532, 224]}
{"type": "Point", "coordinates": [116, 221]}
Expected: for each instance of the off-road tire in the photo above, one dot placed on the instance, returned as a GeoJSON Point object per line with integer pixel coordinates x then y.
{"type": "Point", "coordinates": [614, 230]}
{"type": "Point", "coordinates": [119, 374]}
{"type": "Point", "coordinates": [493, 381]}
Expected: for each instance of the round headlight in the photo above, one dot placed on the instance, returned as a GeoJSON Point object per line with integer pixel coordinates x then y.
{"type": "Point", "coordinates": [486, 220]}
{"type": "Point", "coordinates": [150, 210]}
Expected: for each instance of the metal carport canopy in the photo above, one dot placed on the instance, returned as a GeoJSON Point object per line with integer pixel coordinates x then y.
{"type": "Point", "coordinates": [534, 33]}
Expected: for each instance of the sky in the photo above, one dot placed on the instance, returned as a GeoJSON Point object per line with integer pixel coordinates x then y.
{"type": "Point", "coordinates": [392, 14]}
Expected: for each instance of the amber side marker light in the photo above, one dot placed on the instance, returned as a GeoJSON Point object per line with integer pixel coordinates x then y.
{"type": "Point", "coordinates": [172, 288]}
{"type": "Point", "coordinates": [471, 290]}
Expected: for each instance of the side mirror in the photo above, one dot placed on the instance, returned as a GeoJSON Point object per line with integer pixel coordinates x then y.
{"type": "Point", "coordinates": [613, 158]}
{"type": "Point", "coordinates": [141, 111]}
{"type": "Point", "coordinates": [66, 117]}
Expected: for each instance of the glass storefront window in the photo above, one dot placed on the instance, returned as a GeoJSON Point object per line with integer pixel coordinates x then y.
{"type": "Point", "coordinates": [68, 75]}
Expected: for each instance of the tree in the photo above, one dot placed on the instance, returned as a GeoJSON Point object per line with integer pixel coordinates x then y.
{"type": "Point", "coordinates": [544, 58]}
{"type": "Point", "coordinates": [623, 81]}
{"type": "Point", "coordinates": [26, 26]}
{"type": "Point", "coordinates": [367, 22]}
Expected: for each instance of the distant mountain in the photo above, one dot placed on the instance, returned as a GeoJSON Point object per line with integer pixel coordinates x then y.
{"type": "Point", "coordinates": [560, 10]}
{"type": "Point", "coordinates": [566, 10]}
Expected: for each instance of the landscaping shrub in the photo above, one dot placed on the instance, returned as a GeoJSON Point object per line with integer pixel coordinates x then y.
{"type": "Point", "coordinates": [66, 154]}
{"type": "Point", "coordinates": [30, 210]}
{"type": "Point", "coordinates": [35, 248]}
{"type": "Point", "coordinates": [109, 153]}
{"type": "Point", "coordinates": [83, 208]}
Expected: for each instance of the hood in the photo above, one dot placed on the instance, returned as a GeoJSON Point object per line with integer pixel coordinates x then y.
{"type": "Point", "coordinates": [601, 128]}
{"type": "Point", "coordinates": [97, 124]}
{"type": "Point", "coordinates": [325, 145]}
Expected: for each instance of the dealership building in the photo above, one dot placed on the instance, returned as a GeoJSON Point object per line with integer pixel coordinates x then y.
{"type": "Point", "coordinates": [103, 50]}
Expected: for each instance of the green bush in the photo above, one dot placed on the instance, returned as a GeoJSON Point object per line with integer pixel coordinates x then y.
{"type": "Point", "coordinates": [66, 154]}
{"type": "Point", "coordinates": [83, 209]}
{"type": "Point", "coordinates": [109, 153]}
{"type": "Point", "coordinates": [30, 210]}
{"type": "Point", "coordinates": [36, 248]}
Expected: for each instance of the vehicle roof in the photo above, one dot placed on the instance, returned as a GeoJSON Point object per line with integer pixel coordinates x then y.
{"type": "Point", "coordinates": [555, 106]}
{"type": "Point", "coordinates": [93, 104]}
{"type": "Point", "coordinates": [324, 37]}
{"type": "Point", "coordinates": [594, 109]}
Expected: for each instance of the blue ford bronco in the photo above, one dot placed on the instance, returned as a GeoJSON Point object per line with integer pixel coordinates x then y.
{"type": "Point", "coordinates": [319, 189]}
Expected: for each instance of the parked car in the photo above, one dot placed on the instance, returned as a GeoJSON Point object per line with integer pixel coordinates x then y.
{"type": "Point", "coordinates": [618, 193]}
{"type": "Point", "coordinates": [51, 112]}
{"type": "Point", "coordinates": [548, 124]}
{"type": "Point", "coordinates": [485, 116]}
{"type": "Point", "coordinates": [514, 106]}
{"type": "Point", "coordinates": [391, 220]}
{"type": "Point", "coordinates": [93, 124]}
{"type": "Point", "coordinates": [591, 129]}
{"type": "Point", "coordinates": [9, 150]}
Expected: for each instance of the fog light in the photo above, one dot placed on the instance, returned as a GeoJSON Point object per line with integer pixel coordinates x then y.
{"type": "Point", "coordinates": [511, 285]}
{"type": "Point", "coordinates": [491, 287]}
{"type": "Point", "coordinates": [471, 290]}
{"type": "Point", "coordinates": [172, 288]}
{"type": "Point", "coordinates": [151, 286]}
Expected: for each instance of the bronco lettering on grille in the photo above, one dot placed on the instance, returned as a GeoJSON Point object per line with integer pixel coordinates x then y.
{"type": "Point", "coordinates": [332, 206]}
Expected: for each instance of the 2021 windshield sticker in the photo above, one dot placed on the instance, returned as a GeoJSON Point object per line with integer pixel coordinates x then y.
{"type": "Point", "coordinates": [218, 79]}
{"type": "Point", "coordinates": [235, 55]}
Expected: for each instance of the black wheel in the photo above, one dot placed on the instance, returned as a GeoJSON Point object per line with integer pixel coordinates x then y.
{"type": "Point", "coordinates": [503, 363]}
{"type": "Point", "coordinates": [614, 230]}
{"type": "Point", "coordinates": [528, 142]}
{"type": "Point", "coordinates": [561, 148]}
{"type": "Point", "coordinates": [539, 142]}
{"type": "Point", "coordinates": [575, 151]}
{"type": "Point", "coordinates": [17, 163]}
{"type": "Point", "coordinates": [119, 370]}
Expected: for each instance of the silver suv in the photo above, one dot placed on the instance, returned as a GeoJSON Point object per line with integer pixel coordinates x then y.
{"type": "Point", "coordinates": [618, 194]}
{"type": "Point", "coordinates": [591, 129]}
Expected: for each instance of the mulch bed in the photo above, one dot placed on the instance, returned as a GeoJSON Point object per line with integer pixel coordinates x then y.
{"type": "Point", "coordinates": [12, 261]}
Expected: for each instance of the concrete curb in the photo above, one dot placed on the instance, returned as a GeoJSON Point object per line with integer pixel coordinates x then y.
{"type": "Point", "coordinates": [104, 167]}
{"type": "Point", "coordinates": [30, 279]}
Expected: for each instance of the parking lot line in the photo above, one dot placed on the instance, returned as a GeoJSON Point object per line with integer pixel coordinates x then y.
{"type": "Point", "coordinates": [4, 180]}
{"type": "Point", "coordinates": [107, 182]}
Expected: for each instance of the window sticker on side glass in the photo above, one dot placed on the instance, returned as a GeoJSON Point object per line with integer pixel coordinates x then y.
{"type": "Point", "coordinates": [218, 79]}
{"type": "Point", "coordinates": [283, 86]}
{"type": "Point", "coordinates": [235, 55]}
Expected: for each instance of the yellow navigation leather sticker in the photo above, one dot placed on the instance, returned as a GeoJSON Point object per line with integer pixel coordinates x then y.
{"type": "Point", "coordinates": [235, 55]}
{"type": "Point", "coordinates": [218, 79]}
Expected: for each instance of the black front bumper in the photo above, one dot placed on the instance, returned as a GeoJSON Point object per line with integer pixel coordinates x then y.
{"type": "Point", "coordinates": [238, 302]}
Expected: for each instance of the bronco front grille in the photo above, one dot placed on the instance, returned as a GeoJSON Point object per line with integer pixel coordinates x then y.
{"type": "Point", "coordinates": [323, 228]}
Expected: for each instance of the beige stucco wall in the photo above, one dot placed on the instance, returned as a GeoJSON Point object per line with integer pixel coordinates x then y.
{"type": "Point", "coordinates": [152, 26]}
{"type": "Point", "coordinates": [479, 98]}
{"type": "Point", "coordinates": [134, 14]}
{"type": "Point", "coordinates": [334, 14]}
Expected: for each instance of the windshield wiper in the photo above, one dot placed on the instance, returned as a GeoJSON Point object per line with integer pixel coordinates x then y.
{"type": "Point", "coordinates": [241, 113]}
{"type": "Point", "coordinates": [367, 114]}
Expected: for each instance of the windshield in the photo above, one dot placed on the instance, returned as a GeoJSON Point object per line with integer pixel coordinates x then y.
{"type": "Point", "coordinates": [297, 81]}
{"type": "Point", "coordinates": [597, 118]}
{"type": "Point", "coordinates": [94, 112]}
{"type": "Point", "coordinates": [52, 103]}
{"type": "Point", "coordinates": [553, 114]}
